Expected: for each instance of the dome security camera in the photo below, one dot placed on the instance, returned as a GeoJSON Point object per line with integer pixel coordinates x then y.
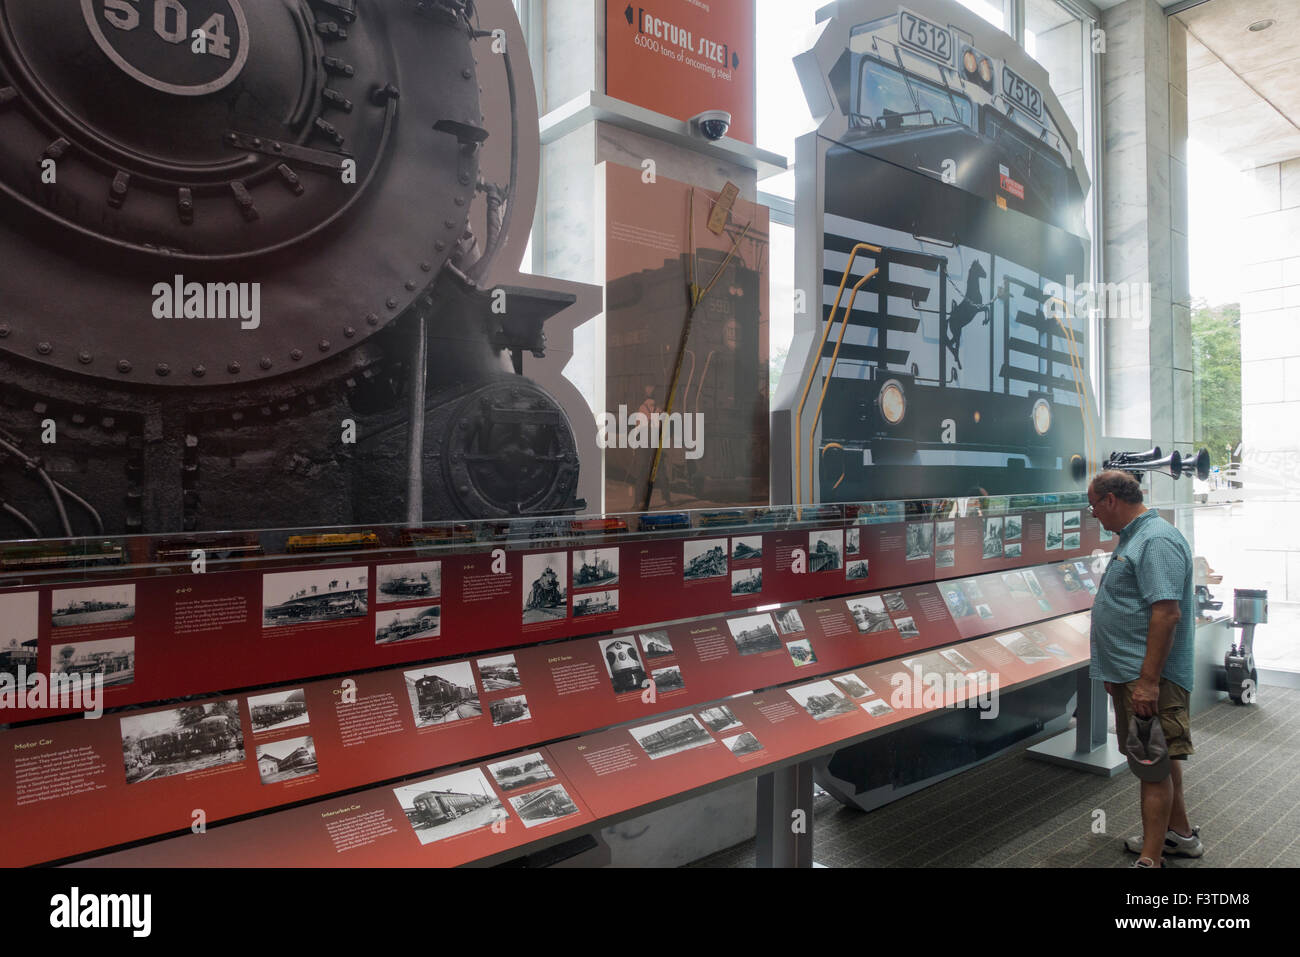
{"type": "Point", "coordinates": [712, 124]}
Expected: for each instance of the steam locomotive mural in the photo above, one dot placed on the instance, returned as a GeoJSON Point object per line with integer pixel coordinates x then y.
{"type": "Point", "coordinates": [233, 232]}
{"type": "Point", "coordinates": [941, 358]}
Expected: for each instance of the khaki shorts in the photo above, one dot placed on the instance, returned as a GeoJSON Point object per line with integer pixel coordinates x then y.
{"type": "Point", "coordinates": [1175, 719]}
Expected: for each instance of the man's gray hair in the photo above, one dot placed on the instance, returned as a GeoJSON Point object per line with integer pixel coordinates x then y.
{"type": "Point", "coordinates": [1122, 485]}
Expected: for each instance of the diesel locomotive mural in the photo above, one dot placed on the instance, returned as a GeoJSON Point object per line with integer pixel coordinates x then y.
{"type": "Point", "coordinates": [941, 202]}
{"type": "Point", "coordinates": [258, 266]}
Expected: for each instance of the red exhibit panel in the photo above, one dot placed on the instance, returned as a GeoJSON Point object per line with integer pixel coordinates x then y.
{"type": "Point", "coordinates": [442, 820]}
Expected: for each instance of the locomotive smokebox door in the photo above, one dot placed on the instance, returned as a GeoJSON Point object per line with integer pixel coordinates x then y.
{"type": "Point", "coordinates": [219, 221]}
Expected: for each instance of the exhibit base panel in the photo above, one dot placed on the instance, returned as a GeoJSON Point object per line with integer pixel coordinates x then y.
{"type": "Point", "coordinates": [1089, 746]}
{"type": "Point", "coordinates": [785, 818]}
{"type": "Point", "coordinates": [883, 770]}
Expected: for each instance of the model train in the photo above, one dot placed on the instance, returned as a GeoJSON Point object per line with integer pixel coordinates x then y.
{"type": "Point", "coordinates": [221, 267]}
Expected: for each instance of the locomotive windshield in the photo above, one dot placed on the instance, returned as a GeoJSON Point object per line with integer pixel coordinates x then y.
{"type": "Point", "coordinates": [888, 98]}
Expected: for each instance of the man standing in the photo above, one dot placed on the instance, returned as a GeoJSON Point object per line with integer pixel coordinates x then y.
{"type": "Point", "coordinates": [1143, 635]}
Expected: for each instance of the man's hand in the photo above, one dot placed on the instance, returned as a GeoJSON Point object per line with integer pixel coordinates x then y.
{"type": "Point", "coordinates": [1146, 697]}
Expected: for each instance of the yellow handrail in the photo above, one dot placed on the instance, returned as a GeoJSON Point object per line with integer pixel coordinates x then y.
{"type": "Point", "coordinates": [803, 399]}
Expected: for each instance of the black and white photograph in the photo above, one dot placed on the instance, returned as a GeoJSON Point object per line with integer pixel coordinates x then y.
{"type": "Point", "coordinates": [920, 540]}
{"type": "Point", "coordinates": [668, 679]}
{"type": "Point", "coordinates": [945, 534]}
{"type": "Point", "coordinates": [826, 551]}
{"type": "Point", "coordinates": [971, 588]}
{"type": "Point", "coordinates": [1072, 541]}
{"type": "Point", "coordinates": [543, 805]}
{"type": "Point", "coordinates": [92, 606]}
{"type": "Point", "coordinates": [1069, 577]}
{"type": "Point", "coordinates": [671, 736]}
{"type": "Point", "coordinates": [945, 558]}
{"type": "Point", "coordinates": [993, 537]}
{"type": "Point", "coordinates": [1082, 567]}
{"type": "Point", "coordinates": [499, 673]}
{"type": "Point", "coordinates": [958, 659]}
{"type": "Point", "coordinates": [746, 581]}
{"type": "Point", "coordinates": [595, 603]}
{"type": "Point", "coordinates": [852, 686]}
{"type": "Point", "coordinates": [877, 708]}
{"type": "Point", "coordinates": [595, 567]}
{"type": "Point", "coordinates": [743, 743]}
{"type": "Point", "coordinates": [1031, 581]}
{"type": "Point", "coordinates": [1103, 534]}
{"type": "Point", "coordinates": [655, 644]}
{"type": "Point", "coordinates": [442, 694]}
{"type": "Point", "coordinates": [1071, 521]}
{"type": "Point", "coordinates": [1011, 528]}
{"type": "Point", "coordinates": [1011, 550]}
{"type": "Point", "coordinates": [719, 718]}
{"type": "Point", "coordinates": [413, 581]}
{"type": "Point", "coordinates": [453, 804]}
{"type": "Point", "coordinates": [166, 743]}
{"type": "Point", "coordinates": [955, 598]}
{"type": "Point", "coordinates": [1054, 534]}
{"type": "Point", "coordinates": [324, 594]}
{"type": "Point", "coordinates": [521, 772]}
{"type": "Point", "coordinates": [789, 621]}
{"type": "Point", "coordinates": [408, 624]}
{"type": "Point", "coordinates": [20, 612]}
{"type": "Point", "coordinates": [754, 634]}
{"type": "Point", "coordinates": [852, 541]}
{"type": "Point", "coordinates": [856, 570]}
{"type": "Point", "coordinates": [747, 549]}
{"type": "Point", "coordinates": [870, 614]}
{"type": "Point", "coordinates": [114, 658]}
{"type": "Point", "coordinates": [546, 587]}
{"type": "Point", "coordinates": [907, 628]}
{"type": "Point", "coordinates": [509, 710]}
{"type": "Point", "coordinates": [287, 759]}
{"type": "Point", "coordinates": [1015, 582]}
{"type": "Point", "coordinates": [895, 602]}
{"type": "Point", "coordinates": [1089, 584]}
{"type": "Point", "coordinates": [1023, 647]}
{"type": "Point", "coordinates": [984, 611]}
{"type": "Point", "coordinates": [821, 699]}
{"type": "Point", "coordinates": [704, 558]}
{"type": "Point", "coordinates": [278, 709]}
{"type": "Point", "coordinates": [931, 664]}
{"type": "Point", "coordinates": [623, 662]}
{"type": "Point", "coordinates": [801, 652]}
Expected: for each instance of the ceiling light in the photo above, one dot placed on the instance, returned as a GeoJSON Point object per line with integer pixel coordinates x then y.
{"type": "Point", "coordinates": [1260, 25]}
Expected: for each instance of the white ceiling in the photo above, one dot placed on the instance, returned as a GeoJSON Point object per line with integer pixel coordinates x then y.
{"type": "Point", "coordinates": [1243, 88]}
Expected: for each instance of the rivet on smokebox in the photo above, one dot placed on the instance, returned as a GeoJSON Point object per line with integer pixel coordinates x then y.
{"type": "Point", "coordinates": [323, 345]}
{"type": "Point", "coordinates": [349, 332]}
{"type": "Point", "coordinates": [295, 355]}
{"type": "Point", "coordinates": [123, 366]}
{"type": "Point", "coordinates": [265, 362]}
{"type": "Point", "coordinates": [199, 371]}
{"type": "Point", "coordinates": [44, 348]}
{"type": "Point", "coordinates": [467, 73]}
{"type": "Point", "coordinates": [233, 368]}
{"type": "Point", "coordinates": [4, 330]}
{"type": "Point", "coordinates": [163, 369]}
{"type": "Point", "coordinates": [85, 358]}
{"type": "Point", "coordinates": [372, 319]}
{"type": "Point", "coordinates": [410, 285]}
{"type": "Point", "coordinates": [426, 266]}
{"type": "Point", "coordinates": [391, 302]}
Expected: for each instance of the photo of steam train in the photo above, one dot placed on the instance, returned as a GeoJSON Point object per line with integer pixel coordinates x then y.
{"type": "Point", "coordinates": [112, 659]}
{"type": "Point", "coordinates": [408, 582]}
{"type": "Point", "coordinates": [704, 558]}
{"type": "Point", "coordinates": [185, 739]}
{"type": "Point", "coordinates": [213, 283]}
{"type": "Point", "coordinates": [499, 673]}
{"type": "Point", "coordinates": [545, 587]}
{"type": "Point", "coordinates": [279, 709]}
{"type": "Point", "coordinates": [453, 804]}
{"type": "Point", "coordinates": [941, 360]}
{"type": "Point", "coordinates": [408, 624]}
{"type": "Point", "coordinates": [754, 634]}
{"type": "Point", "coordinates": [298, 598]}
{"type": "Point", "coordinates": [92, 606]}
{"type": "Point", "coordinates": [747, 581]}
{"type": "Point", "coordinates": [596, 567]}
{"type": "Point", "coordinates": [441, 694]}
{"type": "Point", "coordinates": [825, 551]}
{"type": "Point", "coordinates": [821, 699]}
{"type": "Point", "coordinates": [595, 603]}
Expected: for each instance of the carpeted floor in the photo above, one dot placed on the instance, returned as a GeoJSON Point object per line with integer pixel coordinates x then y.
{"type": "Point", "coordinates": [1242, 788]}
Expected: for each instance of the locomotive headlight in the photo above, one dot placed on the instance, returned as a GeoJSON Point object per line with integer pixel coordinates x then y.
{"type": "Point", "coordinates": [1042, 416]}
{"type": "Point", "coordinates": [969, 62]}
{"type": "Point", "coordinates": [986, 70]}
{"type": "Point", "coordinates": [892, 402]}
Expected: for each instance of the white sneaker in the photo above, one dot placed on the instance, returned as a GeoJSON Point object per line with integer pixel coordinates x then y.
{"type": "Point", "coordinates": [1175, 844]}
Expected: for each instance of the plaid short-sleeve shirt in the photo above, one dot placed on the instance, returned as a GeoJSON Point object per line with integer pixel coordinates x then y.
{"type": "Point", "coordinates": [1151, 562]}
